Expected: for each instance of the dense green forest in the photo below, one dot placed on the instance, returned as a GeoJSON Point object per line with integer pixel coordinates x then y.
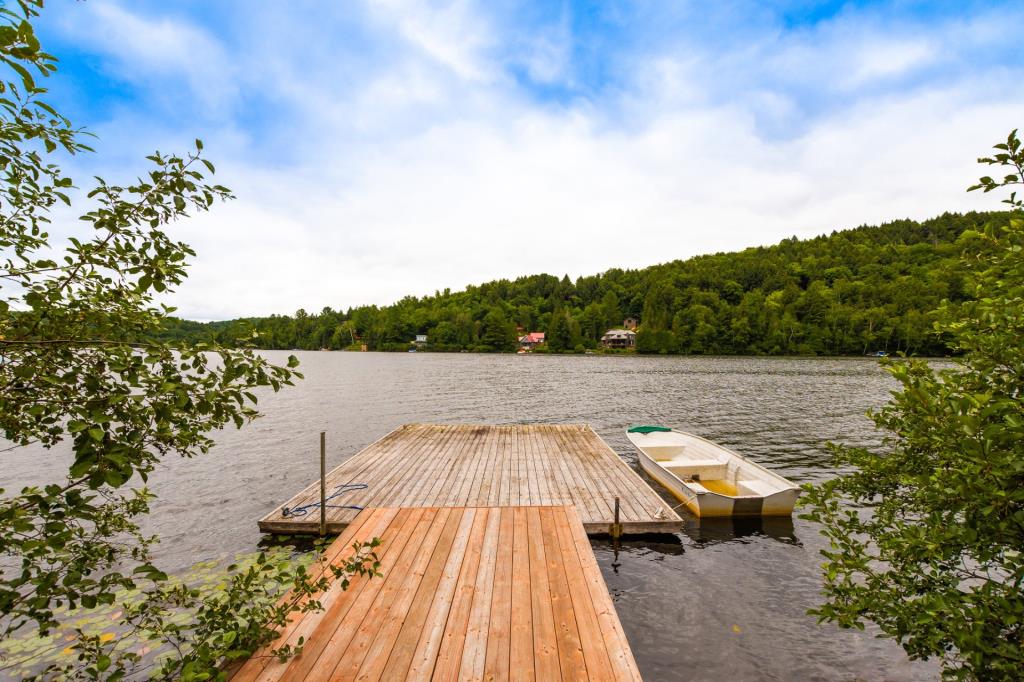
{"type": "Point", "coordinates": [851, 292]}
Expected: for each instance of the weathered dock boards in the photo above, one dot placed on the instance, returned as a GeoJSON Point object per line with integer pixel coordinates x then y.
{"type": "Point", "coordinates": [448, 608]}
{"type": "Point", "coordinates": [463, 465]}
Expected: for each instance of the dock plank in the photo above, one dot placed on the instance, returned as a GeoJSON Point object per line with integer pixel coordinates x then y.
{"type": "Point", "coordinates": [567, 636]}
{"type": "Point", "coordinates": [375, 522]}
{"type": "Point", "coordinates": [474, 650]}
{"type": "Point", "coordinates": [545, 647]}
{"type": "Point", "coordinates": [616, 644]}
{"type": "Point", "coordinates": [345, 629]}
{"type": "Point", "coordinates": [591, 641]}
{"type": "Point", "coordinates": [472, 465]}
{"type": "Point", "coordinates": [499, 630]}
{"type": "Point", "coordinates": [440, 595]}
{"type": "Point", "coordinates": [456, 628]}
{"type": "Point", "coordinates": [467, 593]}
{"type": "Point", "coordinates": [375, 629]}
{"type": "Point", "coordinates": [390, 648]}
{"type": "Point", "coordinates": [325, 625]}
{"type": "Point", "coordinates": [521, 639]}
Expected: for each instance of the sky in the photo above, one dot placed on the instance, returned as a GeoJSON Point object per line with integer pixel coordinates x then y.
{"type": "Point", "coordinates": [394, 148]}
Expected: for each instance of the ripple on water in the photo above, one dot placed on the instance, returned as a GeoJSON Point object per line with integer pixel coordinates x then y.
{"type": "Point", "coordinates": [717, 601]}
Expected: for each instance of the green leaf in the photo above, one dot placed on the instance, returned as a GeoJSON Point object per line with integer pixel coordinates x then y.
{"type": "Point", "coordinates": [26, 77]}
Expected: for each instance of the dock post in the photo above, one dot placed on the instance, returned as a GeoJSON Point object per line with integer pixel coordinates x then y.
{"type": "Point", "coordinates": [616, 526]}
{"type": "Point", "coordinates": [323, 483]}
{"type": "Point", "coordinates": [616, 534]}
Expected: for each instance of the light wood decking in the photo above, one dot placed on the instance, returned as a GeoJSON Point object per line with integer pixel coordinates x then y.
{"type": "Point", "coordinates": [462, 465]}
{"type": "Point", "coordinates": [494, 593]}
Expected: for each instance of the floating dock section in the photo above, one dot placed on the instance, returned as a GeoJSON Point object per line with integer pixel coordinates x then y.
{"type": "Point", "coordinates": [462, 465]}
{"type": "Point", "coordinates": [489, 593]}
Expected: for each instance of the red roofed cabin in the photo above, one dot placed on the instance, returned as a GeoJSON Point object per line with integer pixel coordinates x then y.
{"type": "Point", "coordinates": [531, 340]}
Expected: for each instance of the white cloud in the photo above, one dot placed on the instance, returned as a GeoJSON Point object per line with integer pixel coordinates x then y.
{"type": "Point", "coordinates": [451, 33]}
{"type": "Point", "coordinates": [468, 202]}
{"type": "Point", "coordinates": [545, 52]}
{"type": "Point", "coordinates": [436, 170]}
{"type": "Point", "coordinates": [146, 49]}
{"type": "Point", "coordinates": [888, 59]}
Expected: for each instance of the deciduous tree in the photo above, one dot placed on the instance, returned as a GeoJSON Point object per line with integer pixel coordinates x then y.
{"type": "Point", "coordinates": [80, 368]}
{"type": "Point", "coordinates": [927, 535]}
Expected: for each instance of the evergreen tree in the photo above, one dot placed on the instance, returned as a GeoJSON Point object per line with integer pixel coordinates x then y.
{"type": "Point", "coordinates": [559, 334]}
{"type": "Point", "coordinates": [497, 334]}
{"type": "Point", "coordinates": [612, 314]}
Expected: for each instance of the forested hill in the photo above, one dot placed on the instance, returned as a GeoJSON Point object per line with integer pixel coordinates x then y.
{"type": "Point", "coordinates": [850, 292]}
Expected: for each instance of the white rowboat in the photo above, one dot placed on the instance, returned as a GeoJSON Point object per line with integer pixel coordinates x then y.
{"type": "Point", "coordinates": [710, 479]}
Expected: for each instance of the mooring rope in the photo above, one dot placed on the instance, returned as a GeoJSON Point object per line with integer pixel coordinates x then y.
{"type": "Point", "coordinates": [339, 490]}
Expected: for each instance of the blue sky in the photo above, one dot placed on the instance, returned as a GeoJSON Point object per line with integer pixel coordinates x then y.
{"type": "Point", "coordinates": [388, 148]}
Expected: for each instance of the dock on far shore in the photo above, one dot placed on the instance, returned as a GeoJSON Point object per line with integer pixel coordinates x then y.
{"type": "Point", "coordinates": [468, 465]}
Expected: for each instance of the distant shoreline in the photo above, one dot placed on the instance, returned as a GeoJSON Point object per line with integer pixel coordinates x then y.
{"type": "Point", "coordinates": [849, 293]}
{"type": "Point", "coordinates": [632, 354]}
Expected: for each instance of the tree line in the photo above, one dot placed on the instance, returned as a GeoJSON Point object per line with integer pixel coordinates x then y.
{"type": "Point", "coordinates": [851, 292]}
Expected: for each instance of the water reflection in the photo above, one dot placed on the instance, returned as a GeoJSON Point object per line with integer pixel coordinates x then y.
{"type": "Point", "coordinates": [711, 531]}
{"type": "Point", "coordinates": [653, 546]}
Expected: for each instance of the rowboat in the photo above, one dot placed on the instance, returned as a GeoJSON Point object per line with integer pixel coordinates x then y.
{"type": "Point", "coordinates": [709, 479]}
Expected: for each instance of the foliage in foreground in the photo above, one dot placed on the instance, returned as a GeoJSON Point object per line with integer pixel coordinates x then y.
{"type": "Point", "coordinates": [191, 626]}
{"type": "Point", "coordinates": [932, 551]}
{"type": "Point", "coordinates": [74, 375]}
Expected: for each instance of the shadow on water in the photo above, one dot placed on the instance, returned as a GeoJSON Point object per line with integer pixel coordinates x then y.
{"type": "Point", "coordinates": [664, 543]}
{"type": "Point", "coordinates": [718, 530]}
{"type": "Point", "coordinates": [297, 543]}
{"type": "Point", "coordinates": [701, 533]}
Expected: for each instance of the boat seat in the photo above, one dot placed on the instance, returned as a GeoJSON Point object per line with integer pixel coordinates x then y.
{"type": "Point", "coordinates": [663, 453]}
{"type": "Point", "coordinates": [709, 469]}
{"type": "Point", "coordinates": [763, 488]}
{"type": "Point", "coordinates": [690, 462]}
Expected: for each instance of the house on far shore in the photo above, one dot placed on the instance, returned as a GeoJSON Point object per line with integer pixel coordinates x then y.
{"type": "Point", "coordinates": [420, 339]}
{"type": "Point", "coordinates": [531, 340]}
{"type": "Point", "coordinates": [630, 324]}
{"type": "Point", "coordinates": [619, 338]}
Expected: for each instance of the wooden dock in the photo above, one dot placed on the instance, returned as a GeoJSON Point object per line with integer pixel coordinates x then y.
{"type": "Point", "coordinates": [462, 465]}
{"type": "Point", "coordinates": [496, 593]}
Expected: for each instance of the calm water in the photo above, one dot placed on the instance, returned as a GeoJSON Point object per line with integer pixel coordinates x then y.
{"type": "Point", "coordinates": [719, 601]}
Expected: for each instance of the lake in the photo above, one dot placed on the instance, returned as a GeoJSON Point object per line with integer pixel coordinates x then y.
{"type": "Point", "coordinates": [721, 600]}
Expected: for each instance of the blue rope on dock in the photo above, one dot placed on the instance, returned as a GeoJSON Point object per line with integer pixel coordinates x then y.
{"type": "Point", "coordinates": [340, 490]}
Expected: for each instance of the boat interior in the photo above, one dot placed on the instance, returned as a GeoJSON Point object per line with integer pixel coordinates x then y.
{"type": "Point", "coordinates": [707, 472]}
